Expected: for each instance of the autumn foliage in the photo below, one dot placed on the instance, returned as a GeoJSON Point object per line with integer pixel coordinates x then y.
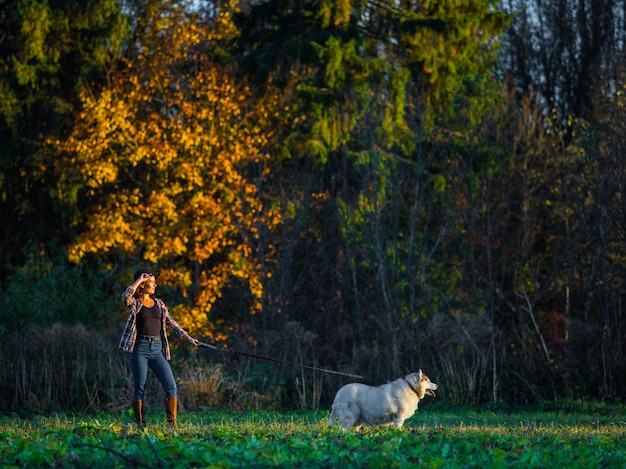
{"type": "Point", "coordinates": [169, 161]}
{"type": "Point", "coordinates": [375, 187]}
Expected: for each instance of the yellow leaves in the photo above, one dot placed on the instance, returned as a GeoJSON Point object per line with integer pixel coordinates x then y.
{"type": "Point", "coordinates": [163, 150]}
{"type": "Point", "coordinates": [343, 8]}
{"type": "Point", "coordinates": [106, 231]}
{"type": "Point", "coordinates": [439, 183]}
{"type": "Point", "coordinates": [176, 246]}
{"type": "Point", "coordinates": [99, 173]}
{"type": "Point", "coordinates": [160, 206]}
{"type": "Point", "coordinates": [192, 319]}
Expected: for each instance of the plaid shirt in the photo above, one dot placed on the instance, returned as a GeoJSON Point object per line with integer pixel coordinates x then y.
{"type": "Point", "coordinates": [129, 336]}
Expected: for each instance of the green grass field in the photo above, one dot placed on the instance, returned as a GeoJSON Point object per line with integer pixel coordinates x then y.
{"type": "Point", "coordinates": [565, 436]}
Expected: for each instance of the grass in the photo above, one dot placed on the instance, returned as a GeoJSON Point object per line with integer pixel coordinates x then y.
{"type": "Point", "coordinates": [436, 437]}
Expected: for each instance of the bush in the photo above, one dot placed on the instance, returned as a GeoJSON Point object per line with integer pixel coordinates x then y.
{"type": "Point", "coordinates": [73, 368]}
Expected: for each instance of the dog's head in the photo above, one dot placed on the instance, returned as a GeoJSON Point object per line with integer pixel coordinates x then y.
{"type": "Point", "coordinates": [421, 384]}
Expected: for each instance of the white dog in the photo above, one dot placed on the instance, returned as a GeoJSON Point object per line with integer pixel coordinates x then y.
{"type": "Point", "coordinates": [392, 403]}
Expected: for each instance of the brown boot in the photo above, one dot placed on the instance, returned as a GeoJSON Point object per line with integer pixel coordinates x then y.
{"type": "Point", "coordinates": [171, 404]}
{"type": "Point", "coordinates": [140, 415]}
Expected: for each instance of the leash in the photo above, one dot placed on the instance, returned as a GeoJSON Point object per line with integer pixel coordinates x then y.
{"type": "Point", "coordinates": [275, 360]}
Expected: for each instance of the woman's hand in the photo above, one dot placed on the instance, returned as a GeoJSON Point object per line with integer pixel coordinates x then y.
{"type": "Point", "coordinates": [194, 341]}
{"type": "Point", "coordinates": [141, 279]}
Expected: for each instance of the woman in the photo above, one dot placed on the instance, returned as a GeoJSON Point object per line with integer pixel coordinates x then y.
{"type": "Point", "coordinates": [145, 338]}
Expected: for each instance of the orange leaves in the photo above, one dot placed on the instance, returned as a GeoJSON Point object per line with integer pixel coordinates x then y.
{"type": "Point", "coordinates": [167, 151]}
{"type": "Point", "coordinates": [106, 231]}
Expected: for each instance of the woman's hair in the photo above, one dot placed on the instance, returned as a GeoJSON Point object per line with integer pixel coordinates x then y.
{"type": "Point", "coordinates": [139, 290]}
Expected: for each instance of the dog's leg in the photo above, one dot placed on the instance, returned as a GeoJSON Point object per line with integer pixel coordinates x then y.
{"type": "Point", "coordinates": [348, 421]}
{"type": "Point", "coordinates": [332, 418]}
{"type": "Point", "coordinates": [397, 421]}
{"type": "Point", "coordinates": [348, 415]}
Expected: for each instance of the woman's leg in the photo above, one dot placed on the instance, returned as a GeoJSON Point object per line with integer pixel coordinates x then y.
{"type": "Point", "coordinates": [139, 360]}
{"type": "Point", "coordinates": [163, 371]}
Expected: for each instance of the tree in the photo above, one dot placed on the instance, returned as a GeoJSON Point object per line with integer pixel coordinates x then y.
{"type": "Point", "coordinates": [566, 50]}
{"type": "Point", "coordinates": [167, 164]}
{"type": "Point", "coordinates": [373, 80]}
{"type": "Point", "coordinates": [49, 50]}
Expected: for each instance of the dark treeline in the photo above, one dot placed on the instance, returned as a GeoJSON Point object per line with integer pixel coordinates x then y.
{"type": "Point", "coordinates": [370, 187]}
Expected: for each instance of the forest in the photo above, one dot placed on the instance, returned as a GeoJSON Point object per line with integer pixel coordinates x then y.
{"type": "Point", "coordinates": [373, 187]}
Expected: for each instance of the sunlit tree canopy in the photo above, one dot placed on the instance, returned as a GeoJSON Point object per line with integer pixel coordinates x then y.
{"type": "Point", "coordinates": [167, 161]}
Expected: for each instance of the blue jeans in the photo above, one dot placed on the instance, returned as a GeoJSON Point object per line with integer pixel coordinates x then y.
{"type": "Point", "coordinates": [148, 354]}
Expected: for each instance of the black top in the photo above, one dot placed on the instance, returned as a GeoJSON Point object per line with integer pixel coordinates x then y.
{"type": "Point", "coordinates": [149, 321]}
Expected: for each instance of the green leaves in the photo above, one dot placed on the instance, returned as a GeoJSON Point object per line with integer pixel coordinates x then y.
{"type": "Point", "coordinates": [462, 438]}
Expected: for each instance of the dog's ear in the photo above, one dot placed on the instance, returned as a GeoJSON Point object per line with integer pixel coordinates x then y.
{"type": "Point", "coordinates": [414, 378]}
{"type": "Point", "coordinates": [419, 374]}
